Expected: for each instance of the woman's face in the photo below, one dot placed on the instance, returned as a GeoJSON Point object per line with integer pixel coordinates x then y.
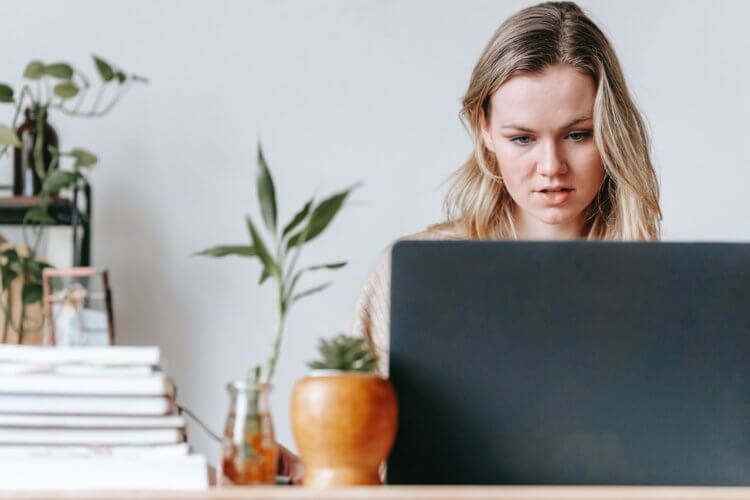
{"type": "Point", "coordinates": [541, 132]}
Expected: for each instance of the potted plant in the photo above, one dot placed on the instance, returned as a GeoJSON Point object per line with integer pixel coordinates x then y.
{"type": "Point", "coordinates": [344, 416]}
{"type": "Point", "coordinates": [61, 87]}
{"type": "Point", "coordinates": [249, 453]}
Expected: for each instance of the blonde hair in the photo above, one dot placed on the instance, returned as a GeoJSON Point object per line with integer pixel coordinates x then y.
{"type": "Point", "coordinates": [627, 204]}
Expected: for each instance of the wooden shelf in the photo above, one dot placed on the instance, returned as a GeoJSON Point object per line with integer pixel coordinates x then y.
{"type": "Point", "coordinates": [14, 208]}
{"type": "Point", "coordinates": [408, 493]}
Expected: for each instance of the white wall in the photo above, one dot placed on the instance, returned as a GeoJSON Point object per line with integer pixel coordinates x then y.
{"type": "Point", "coordinates": [339, 91]}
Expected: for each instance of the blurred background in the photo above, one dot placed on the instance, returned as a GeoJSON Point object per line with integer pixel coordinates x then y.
{"type": "Point", "coordinates": [338, 92]}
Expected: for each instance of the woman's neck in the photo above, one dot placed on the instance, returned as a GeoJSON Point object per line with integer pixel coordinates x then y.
{"type": "Point", "coordinates": [530, 228]}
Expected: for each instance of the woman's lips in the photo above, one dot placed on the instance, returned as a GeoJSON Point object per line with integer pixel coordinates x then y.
{"type": "Point", "coordinates": [555, 197]}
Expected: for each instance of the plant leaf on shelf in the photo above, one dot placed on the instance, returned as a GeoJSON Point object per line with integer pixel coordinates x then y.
{"type": "Point", "coordinates": [84, 158]}
{"type": "Point", "coordinates": [321, 217]}
{"type": "Point", "coordinates": [39, 215]}
{"type": "Point", "coordinates": [269, 263]}
{"type": "Point", "coordinates": [58, 180]}
{"type": "Point", "coordinates": [66, 90]}
{"type": "Point", "coordinates": [266, 192]}
{"type": "Point", "coordinates": [34, 70]}
{"type": "Point", "coordinates": [8, 275]}
{"type": "Point", "coordinates": [6, 93]}
{"type": "Point", "coordinates": [226, 250]}
{"type": "Point", "coordinates": [60, 70]}
{"type": "Point", "coordinates": [31, 292]}
{"type": "Point", "coordinates": [8, 137]}
{"type": "Point", "coordinates": [103, 67]}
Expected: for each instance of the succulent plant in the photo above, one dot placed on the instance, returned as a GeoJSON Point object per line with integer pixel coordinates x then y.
{"type": "Point", "coordinates": [345, 353]}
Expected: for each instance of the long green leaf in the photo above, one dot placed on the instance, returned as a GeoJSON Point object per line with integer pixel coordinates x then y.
{"type": "Point", "coordinates": [226, 250]}
{"type": "Point", "coordinates": [34, 70]}
{"type": "Point", "coordinates": [103, 67]}
{"type": "Point", "coordinates": [6, 93]}
{"type": "Point", "coordinates": [60, 70]}
{"type": "Point", "coordinates": [266, 192]}
{"type": "Point", "coordinates": [311, 291]}
{"type": "Point", "coordinates": [265, 257]}
{"type": "Point", "coordinates": [298, 275]}
{"type": "Point", "coordinates": [320, 218]}
{"type": "Point", "coordinates": [8, 137]}
{"type": "Point", "coordinates": [298, 217]}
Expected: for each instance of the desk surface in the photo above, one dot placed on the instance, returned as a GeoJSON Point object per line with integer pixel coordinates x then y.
{"type": "Point", "coordinates": [409, 492]}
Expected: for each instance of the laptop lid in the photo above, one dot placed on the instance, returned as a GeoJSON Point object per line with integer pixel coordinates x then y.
{"type": "Point", "coordinates": [571, 363]}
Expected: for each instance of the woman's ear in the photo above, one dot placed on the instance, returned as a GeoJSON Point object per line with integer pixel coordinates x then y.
{"type": "Point", "coordinates": [485, 130]}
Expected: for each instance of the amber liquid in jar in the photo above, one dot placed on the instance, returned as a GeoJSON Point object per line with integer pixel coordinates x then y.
{"type": "Point", "coordinates": [249, 451]}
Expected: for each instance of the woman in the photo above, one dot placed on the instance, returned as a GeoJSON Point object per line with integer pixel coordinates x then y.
{"type": "Point", "coordinates": [560, 152]}
{"type": "Point", "coordinates": [560, 149]}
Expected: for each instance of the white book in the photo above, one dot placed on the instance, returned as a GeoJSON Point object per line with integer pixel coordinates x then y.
{"type": "Point", "coordinates": [72, 451]}
{"type": "Point", "coordinates": [104, 473]}
{"type": "Point", "coordinates": [91, 436]}
{"type": "Point", "coordinates": [10, 368]}
{"type": "Point", "coordinates": [102, 355]}
{"type": "Point", "coordinates": [91, 422]}
{"type": "Point", "coordinates": [83, 405]}
{"type": "Point", "coordinates": [156, 384]}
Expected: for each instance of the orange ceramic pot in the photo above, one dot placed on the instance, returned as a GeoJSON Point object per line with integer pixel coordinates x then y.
{"type": "Point", "coordinates": [344, 424]}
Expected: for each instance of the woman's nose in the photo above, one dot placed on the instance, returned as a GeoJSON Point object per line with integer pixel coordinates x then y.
{"type": "Point", "coordinates": [552, 162]}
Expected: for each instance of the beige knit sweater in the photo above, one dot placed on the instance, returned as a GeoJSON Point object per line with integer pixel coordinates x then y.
{"type": "Point", "coordinates": [372, 313]}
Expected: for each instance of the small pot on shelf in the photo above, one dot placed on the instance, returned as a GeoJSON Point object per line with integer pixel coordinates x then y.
{"type": "Point", "coordinates": [344, 417]}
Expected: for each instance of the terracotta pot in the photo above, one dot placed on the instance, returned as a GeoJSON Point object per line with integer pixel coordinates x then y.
{"type": "Point", "coordinates": [344, 425]}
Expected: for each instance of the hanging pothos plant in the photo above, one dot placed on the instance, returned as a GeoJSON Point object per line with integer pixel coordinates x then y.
{"type": "Point", "coordinates": [61, 87]}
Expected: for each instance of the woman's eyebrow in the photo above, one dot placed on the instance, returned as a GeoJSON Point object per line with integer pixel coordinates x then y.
{"type": "Point", "coordinates": [575, 121]}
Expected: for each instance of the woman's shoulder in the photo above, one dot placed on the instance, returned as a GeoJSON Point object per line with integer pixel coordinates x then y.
{"type": "Point", "coordinates": [450, 230]}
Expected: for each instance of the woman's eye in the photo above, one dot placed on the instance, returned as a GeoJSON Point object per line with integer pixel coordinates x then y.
{"type": "Point", "coordinates": [521, 139]}
{"type": "Point", "coordinates": [578, 136]}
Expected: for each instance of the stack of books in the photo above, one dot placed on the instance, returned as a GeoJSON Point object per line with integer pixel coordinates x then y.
{"type": "Point", "coordinates": [91, 418]}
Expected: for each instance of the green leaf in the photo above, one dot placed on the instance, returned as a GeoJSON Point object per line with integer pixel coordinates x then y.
{"type": "Point", "coordinates": [35, 268]}
{"type": "Point", "coordinates": [266, 192]}
{"type": "Point", "coordinates": [8, 275]}
{"type": "Point", "coordinates": [225, 250]}
{"type": "Point", "coordinates": [104, 69]}
{"type": "Point", "coordinates": [298, 275]}
{"type": "Point", "coordinates": [8, 137]}
{"type": "Point", "coordinates": [58, 180]}
{"type": "Point", "coordinates": [298, 217]}
{"type": "Point", "coordinates": [269, 263]}
{"type": "Point", "coordinates": [10, 254]}
{"type": "Point", "coordinates": [34, 70]}
{"type": "Point", "coordinates": [59, 70]}
{"type": "Point", "coordinates": [264, 276]}
{"type": "Point", "coordinates": [311, 291]}
{"type": "Point", "coordinates": [39, 215]}
{"type": "Point", "coordinates": [333, 265]}
{"type": "Point", "coordinates": [84, 158]}
{"type": "Point", "coordinates": [6, 93]}
{"type": "Point", "coordinates": [320, 218]}
{"type": "Point", "coordinates": [31, 293]}
{"type": "Point", "coordinates": [120, 76]}
{"type": "Point", "coordinates": [66, 90]}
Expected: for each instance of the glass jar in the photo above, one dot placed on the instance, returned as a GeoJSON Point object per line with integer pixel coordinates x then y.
{"type": "Point", "coordinates": [249, 452]}
{"type": "Point", "coordinates": [26, 180]}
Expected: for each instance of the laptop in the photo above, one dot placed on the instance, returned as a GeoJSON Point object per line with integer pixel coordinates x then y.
{"type": "Point", "coordinates": [571, 363]}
